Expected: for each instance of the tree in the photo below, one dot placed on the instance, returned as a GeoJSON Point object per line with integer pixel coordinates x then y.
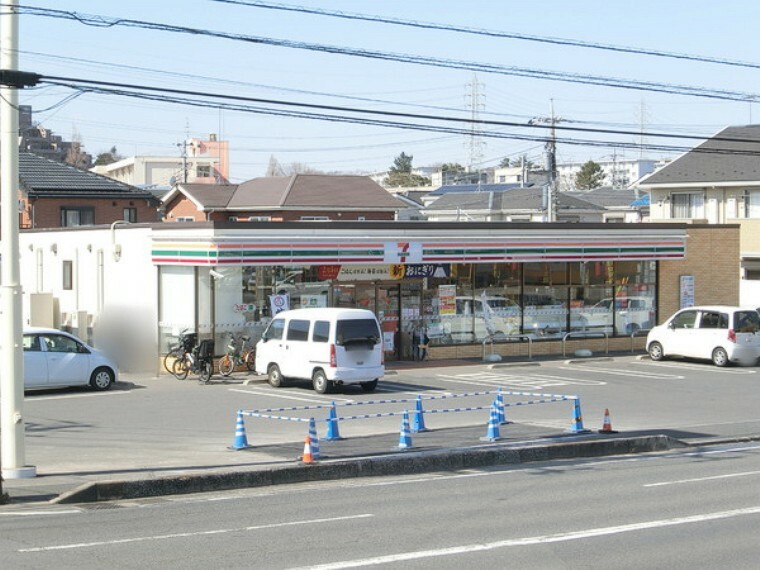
{"type": "Point", "coordinates": [590, 176]}
{"type": "Point", "coordinates": [515, 162]}
{"type": "Point", "coordinates": [400, 174]}
{"type": "Point", "coordinates": [452, 167]}
{"type": "Point", "coordinates": [108, 157]}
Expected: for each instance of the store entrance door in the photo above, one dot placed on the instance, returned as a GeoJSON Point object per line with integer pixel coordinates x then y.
{"type": "Point", "coordinates": [399, 312]}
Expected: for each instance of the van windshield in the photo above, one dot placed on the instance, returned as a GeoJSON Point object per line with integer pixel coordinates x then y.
{"type": "Point", "coordinates": [357, 330]}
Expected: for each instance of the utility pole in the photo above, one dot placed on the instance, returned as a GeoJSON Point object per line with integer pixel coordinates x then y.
{"type": "Point", "coordinates": [550, 157]}
{"type": "Point", "coordinates": [12, 452]}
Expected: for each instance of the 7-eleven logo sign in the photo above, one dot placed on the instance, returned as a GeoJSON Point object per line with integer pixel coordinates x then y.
{"type": "Point", "coordinates": [403, 252]}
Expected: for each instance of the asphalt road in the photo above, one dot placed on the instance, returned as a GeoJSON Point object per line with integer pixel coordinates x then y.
{"type": "Point", "coordinates": [698, 509]}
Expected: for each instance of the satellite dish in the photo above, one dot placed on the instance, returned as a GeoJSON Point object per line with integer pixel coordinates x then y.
{"type": "Point", "coordinates": [172, 180]}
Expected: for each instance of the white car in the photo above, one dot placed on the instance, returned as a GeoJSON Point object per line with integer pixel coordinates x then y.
{"type": "Point", "coordinates": [57, 359]}
{"type": "Point", "coordinates": [719, 333]}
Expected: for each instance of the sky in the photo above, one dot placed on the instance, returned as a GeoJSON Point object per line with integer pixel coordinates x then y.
{"type": "Point", "coordinates": [65, 48]}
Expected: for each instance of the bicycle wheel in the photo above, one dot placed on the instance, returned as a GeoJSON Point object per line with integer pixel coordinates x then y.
{"type": "Point", "coordinates": [181, 367]}
{"type": "Point", "coordinates": [250, 360]}
{"type": "Point", "coordinates": [226, 365]}
{"type": "Point", "coordinates": [206, 370]}
{"type": "Point", "coordinates": [170, 358]}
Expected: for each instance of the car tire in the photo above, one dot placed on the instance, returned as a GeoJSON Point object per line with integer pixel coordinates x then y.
{"type": "Point", "coordinates": [369, 386]}
{"type": "Point", "coordinates": [655, 352]}
{"type": "Point", "coordinates": [320, 382]}
{"type": "Point", "coordinates": [720, 357]}
{"type": "Point", "coordinates": [274, 376]}
{"type": "Point", "coordinates": [102, 379]}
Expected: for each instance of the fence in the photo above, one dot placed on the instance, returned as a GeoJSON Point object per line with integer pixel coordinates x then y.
{"type": "Point", "coordinates": [332, 419]}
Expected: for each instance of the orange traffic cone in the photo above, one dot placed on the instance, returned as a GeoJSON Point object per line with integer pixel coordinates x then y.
{"type": "Point", "coordinates": [607, 425]}
{"type": "Point", "coordinates": [307, 456]}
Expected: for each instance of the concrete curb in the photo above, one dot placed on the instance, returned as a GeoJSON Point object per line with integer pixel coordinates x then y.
{"type": "Point", "coordinates": [409, 462]}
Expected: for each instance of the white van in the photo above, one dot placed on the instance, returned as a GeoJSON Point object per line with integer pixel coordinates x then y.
{"type": "Point", "coordinates": [329, 346]}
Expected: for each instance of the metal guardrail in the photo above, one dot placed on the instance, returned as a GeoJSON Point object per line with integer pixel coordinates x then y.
{"type": "Point", "coordinates": [583, 334]}
{"type": "Point", "coordinates": [509, 338]}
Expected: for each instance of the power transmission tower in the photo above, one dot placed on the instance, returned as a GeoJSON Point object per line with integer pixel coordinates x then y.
{"type": "Point", "coordinates": [474, 98]}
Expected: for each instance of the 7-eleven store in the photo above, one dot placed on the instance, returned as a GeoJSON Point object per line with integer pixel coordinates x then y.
{"type": "Point", "coordinates": [457, 282]}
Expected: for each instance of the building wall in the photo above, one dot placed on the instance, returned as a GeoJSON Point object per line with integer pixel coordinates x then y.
{"type": "Point", "coordinates": [712, 257]}
{"type": "Point", "coordinates": [46, 212]}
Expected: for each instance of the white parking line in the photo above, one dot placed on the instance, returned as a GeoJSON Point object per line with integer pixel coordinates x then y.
{"type": "Point", "coordinates": [536, 381]}
{"type": "Point", "coordinates": [701, 479]}
{"type": "Point", "coordinates": [704, 367]}
{"type": "Point", "coordinates": [616, 372]}
{"type": "Point", "coordinates": [69, 396]}
{"type": "Point", "coordinates": [312, 398]}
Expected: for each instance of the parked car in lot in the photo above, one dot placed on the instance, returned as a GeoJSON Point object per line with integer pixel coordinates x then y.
{"type": "Point", "coordinates": [57, 359]}
{"type": "Point", "coordinates": [723, 334]}
{"type": "Point", "coordinates": [632, 314]}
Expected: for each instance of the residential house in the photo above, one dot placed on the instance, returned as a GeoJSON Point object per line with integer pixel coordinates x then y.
{"type": "Point", "coordinates": [717, 182]}
{"type": "Point", "coordinates": [621, 206]}
{"type": "Point", "coordinates": [618, 173]}
{"type": "Point", "coordinates": [509, 204]}
{"type": "Point", "coordinates": [300, 197]}
{"type": "Point", "coordinates": [201, 162]}
{"type": "Point", "coordinates": [56, 195]}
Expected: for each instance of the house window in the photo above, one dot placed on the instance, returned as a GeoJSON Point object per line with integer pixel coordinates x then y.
{"type": "Point", "coordinates": [185, 219]}
{"type": "Point", "coordinates": [315, 218]}
{"type": "Point", "coordinates": [691, 205]}
{"type": "Point", "coordinates": [68, 275]}
{"type": "Point", "coordinates": [203, 171]}
{"type": "Point", "coordinates": [259, 218]}
{"type": "Point", "coordinates": [130, 215]}
{"type": "Point", "coordinates": [752, 204]}
{"type": "Point", "coordinates": [73, 217]}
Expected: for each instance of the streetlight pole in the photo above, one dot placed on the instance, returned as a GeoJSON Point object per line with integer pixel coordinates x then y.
{"type": "Point", "coordinates": [12, 453]}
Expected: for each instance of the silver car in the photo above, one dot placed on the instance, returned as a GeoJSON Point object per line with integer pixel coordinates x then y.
{"type": "Point", "coordinates": [56, 359]}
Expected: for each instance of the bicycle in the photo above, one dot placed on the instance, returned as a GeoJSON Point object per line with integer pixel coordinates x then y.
{"type": "Point", "coordinates": [185, 343]}
{"type": "Point", "coordinates": [199, 360]}
{"type": "Point", "coordinates": [237, 355]}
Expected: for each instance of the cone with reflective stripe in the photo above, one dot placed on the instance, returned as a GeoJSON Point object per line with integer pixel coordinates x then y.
{"type": "Point", "coordinates": [405, 437]}
{"type": "Point", "coordinates": [332, 425]}
{"type": "Point", "coordinates": [241, 441]}
{"type": "Point", "coordinates": [307, 456]}
{"type": "Point", "coordinates": [418, 422]}
{"type": "Point", "coordinates": [493, 425]}
{"type": "Point", "coordinates": [314, 439]}
{"type": "Point", "coordinates": [577, 425]}
{"type": "Point", "coordinates": [607, 424]}
{"type": "Point", "coordinates": [500, 407]}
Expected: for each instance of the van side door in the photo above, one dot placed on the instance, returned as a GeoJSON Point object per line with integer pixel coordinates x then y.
{"type": "Point", "coordinates": [297, 355]}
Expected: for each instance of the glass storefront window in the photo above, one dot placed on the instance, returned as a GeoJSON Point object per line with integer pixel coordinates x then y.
{"type": "Point", "coordinates": [545, 311]}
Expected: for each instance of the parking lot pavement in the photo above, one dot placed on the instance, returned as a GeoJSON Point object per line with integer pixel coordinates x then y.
{"type": "Point", "coordinates": [154, 428]}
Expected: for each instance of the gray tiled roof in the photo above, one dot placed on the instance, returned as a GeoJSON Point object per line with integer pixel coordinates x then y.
{"type": "Point", "coordinates": [607, 197]}
{"type": "Point", "coordinates": [733, 155]}
{"type": "Point", "coordinates": [515, 199]}
{"type": "Point", "coordinates": [41, 177]}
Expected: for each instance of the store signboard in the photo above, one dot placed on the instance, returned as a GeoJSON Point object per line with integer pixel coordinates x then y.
{"type": "Point", "coordinates": [368, 272]}
{"type": "Point", "coordinates": [447, 295]}
{"type": "Point", "coordinates": [687, 291]}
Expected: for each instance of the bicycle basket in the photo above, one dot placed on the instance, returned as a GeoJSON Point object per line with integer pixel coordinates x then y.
{"type": "Point", "coordinates": [189, 341]}
{"type": "Point", "coordinates": [206, 349]}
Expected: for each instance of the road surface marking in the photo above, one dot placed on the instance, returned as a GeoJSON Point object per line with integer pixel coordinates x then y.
{"type": "Point", "coordinates": [191, 534]}
{"type": "Point", "coordinates": [276, 394]}
{"type": "Point", "coordinates": [69, 396]}
{"type": "Point", "coordinates": [533, 540]}
{"type": "Point", "coordinates": [616, 372]}
{"type": "Point", "coordinates": [704, 367]}
{"type": "Point", "coordinates": [701, 479]}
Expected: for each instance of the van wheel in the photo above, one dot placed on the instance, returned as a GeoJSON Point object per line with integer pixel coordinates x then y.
{"type": "Point", "coordinates": [274, 376]}
{"type": "Point", "coordinates": [369, 386]}
{"type": "Point", "coordinates": [720, 357]}
{"type": "Point", "coordinates": [321, 383]}
{"type": "Point", "coordinates": [655, 351]}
